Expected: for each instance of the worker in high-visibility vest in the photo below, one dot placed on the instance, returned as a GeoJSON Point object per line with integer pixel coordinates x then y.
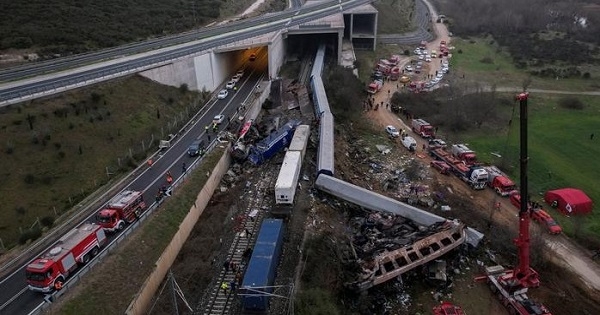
{"type": "Point", "coordinates": [225, 287]}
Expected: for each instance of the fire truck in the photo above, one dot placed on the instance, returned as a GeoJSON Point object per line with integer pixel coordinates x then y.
{"type": "Point", "coordinates": [48, 272]}
{"type": "Point", "coordinates": [124, 208]}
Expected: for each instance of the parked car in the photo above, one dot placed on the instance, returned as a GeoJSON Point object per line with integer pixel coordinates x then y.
{"type": "Point", "coordinates": [230, 84]}
{"type": "Point", "coordinates": [439, 75]}
{"type": "Point", "coordinates": [392, 131]}
{"type": "Point", "coordinates": [408, 68]}
{"type": "Point", "coordinates": [236, 78]}
{"type": "Point", "coordinates": [417, 51]}
{"type": "Point", "coordinates": [424, 52]}
{"type": "Point", "coordinates": [421, 57]}
{"type": "Point", "coordinates": [222, 94]}
{"type": "Point", "coordinates": [240, 73]}
{"type": "Point", "coordinates": [218, 119]}
{"type": "Point", "coordinates": [427, 59]}
{"type": "Point", "coordinates": [196, 148]}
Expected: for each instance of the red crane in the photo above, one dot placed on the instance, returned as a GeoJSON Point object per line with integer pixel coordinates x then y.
{"type": "Point", "coordinates": [511, 286]}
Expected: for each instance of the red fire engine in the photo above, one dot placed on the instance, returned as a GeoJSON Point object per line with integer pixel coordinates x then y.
{"type": "Point", "coordinates": [77, 247]}
{"type": "Point", "coordinates": [124, 208]}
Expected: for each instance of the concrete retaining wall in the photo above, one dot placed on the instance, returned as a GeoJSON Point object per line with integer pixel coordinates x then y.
{"type": "Point", "coordinates": [141, 302]}
{"type": "Point", "coordinates": [174, 74]}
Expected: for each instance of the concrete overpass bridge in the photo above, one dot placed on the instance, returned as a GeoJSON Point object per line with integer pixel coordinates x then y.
{"type": "Point", "coordinates": [205, 58]}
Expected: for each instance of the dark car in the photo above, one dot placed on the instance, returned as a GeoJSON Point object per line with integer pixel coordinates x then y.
{"type": "Point", "coordinates": [196, 148]}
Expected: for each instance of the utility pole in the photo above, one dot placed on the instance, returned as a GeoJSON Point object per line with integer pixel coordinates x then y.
{"type": "Point", "coordinates": [173, 292]}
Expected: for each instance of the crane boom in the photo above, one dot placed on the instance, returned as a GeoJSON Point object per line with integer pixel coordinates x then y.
{"type": "Point", "coordinates": [523, 272]}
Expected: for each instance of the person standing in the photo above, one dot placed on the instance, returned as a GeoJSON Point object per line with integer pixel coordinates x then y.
{"type": "Point", "coordinates": [225, 287]}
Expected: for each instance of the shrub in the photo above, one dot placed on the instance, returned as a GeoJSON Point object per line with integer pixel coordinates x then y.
{"type": "Point", "coordinates": [47, 221]}
{"type": "Point", "coordinates": [20, 210]}
{"type": "Point", "coordinates": [571, 102]}
{"type": "Point", "coordinates": [61, 155]}
{"type": "Point", "coordinates": [30, 234]}
{"type": "Point", "coordinates": [184, 88]}
{"type": "Point", "coordinates": [586, 75]}
{"type": "Point", "coordinates": [487, 60]}
{"type": "Point", "coordinates": [459, 51]}
{"type": "Point", "coordinates": [95, 97]}
{"type": "Point", "coordinates": [29, 179]}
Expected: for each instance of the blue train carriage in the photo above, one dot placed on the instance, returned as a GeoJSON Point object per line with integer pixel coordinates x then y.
{"type": "Point", "coordinates": [325, 154]}
{"type": "Point", "coordinates": [260, 273]}
{"type": "Point", "coordinates": [273, 144]}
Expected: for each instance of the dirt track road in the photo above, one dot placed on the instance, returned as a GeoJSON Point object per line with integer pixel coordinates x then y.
{"type": "Point", "coordinates": [562, 249]}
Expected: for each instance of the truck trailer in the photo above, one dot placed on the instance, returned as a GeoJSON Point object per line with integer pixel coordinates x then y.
{"type": "Point", "coordinates": [259, 278]}
{"type": "Point", "coordinates": [287, 181]}
{"type": "Point", "coordinates": [125, 208]}
{"type": "Point", "coordinates": [50, 271]}
{"type": "Point", "coordinates": [476, 177]}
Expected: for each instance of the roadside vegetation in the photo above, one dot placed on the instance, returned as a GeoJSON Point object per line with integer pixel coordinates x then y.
{"type": "Point", "coordinates": [395, 16]}
{"type": "Point", "coordinates": [58, 27]}
{"type": "Point", "coordinates": [57, 151]}
{"type": "Point", "coordinates": [133, 260]}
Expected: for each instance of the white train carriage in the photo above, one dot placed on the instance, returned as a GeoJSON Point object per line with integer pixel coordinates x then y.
{"type": "Point", "coordinates": [287, 181]}
{"type": "Point", "coordinates": [325, 155]}
{"type": "Point", "coordinates": [300, 140]}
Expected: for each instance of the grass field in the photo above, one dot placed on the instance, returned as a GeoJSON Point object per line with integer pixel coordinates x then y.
{"type": "Point", "coordinates": [489, 64]}
{"type": "Point", "coordinates": [52, 163]}
{"type": "Point", "coordinates": [560, 150]}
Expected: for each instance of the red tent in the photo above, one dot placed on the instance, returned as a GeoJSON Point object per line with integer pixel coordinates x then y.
{"type": "Point", "coordinates": [569, 201]}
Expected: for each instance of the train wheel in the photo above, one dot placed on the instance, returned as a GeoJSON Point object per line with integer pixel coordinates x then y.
{"type": "Point", "coordinates": [121, 226]}
{"type": "Point", "coordinates": [86, 259]}
{"type": "Point", "coordinates": [95, 251]}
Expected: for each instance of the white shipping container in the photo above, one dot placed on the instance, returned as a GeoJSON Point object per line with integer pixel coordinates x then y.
{"type": "Point", "coordinates": [300, 139]}
{"type": "Point", "coordinates": [285, 187]}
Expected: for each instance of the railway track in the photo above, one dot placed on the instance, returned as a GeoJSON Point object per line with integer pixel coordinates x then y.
{"type": "Point", "coordinates": [216, 301]}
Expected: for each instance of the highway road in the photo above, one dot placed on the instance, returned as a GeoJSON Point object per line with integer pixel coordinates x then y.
{"type": "Point", "coordinates": [15, 298]}
{"type": "Point", "coordinates": [133, 58]}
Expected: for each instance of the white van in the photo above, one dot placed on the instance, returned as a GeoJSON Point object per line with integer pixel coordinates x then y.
{"type": "Point", "coordinates": [410, 143]}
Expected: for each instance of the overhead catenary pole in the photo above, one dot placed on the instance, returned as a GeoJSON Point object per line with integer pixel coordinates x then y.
{"type": "Point", "coordinates": [173, 292]}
